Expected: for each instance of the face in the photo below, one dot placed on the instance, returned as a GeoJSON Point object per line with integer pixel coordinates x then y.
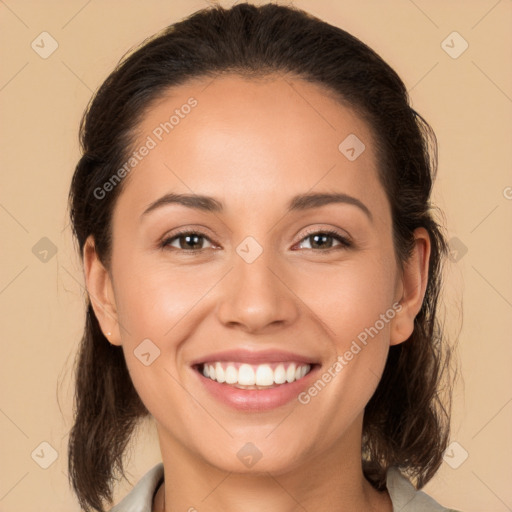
{"type": "Point", "coordinates": [285, 272]}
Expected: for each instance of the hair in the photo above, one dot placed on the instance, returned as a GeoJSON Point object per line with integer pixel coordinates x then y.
{"type": "Point", "coordinates": [406, 422]}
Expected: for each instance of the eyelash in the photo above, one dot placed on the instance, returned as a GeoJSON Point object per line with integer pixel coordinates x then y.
{"type": "Point", "coordinates": [344, 242]}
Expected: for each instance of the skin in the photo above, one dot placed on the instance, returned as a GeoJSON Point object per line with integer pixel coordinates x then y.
{"type": "Point", "coordinates": [253, 144]}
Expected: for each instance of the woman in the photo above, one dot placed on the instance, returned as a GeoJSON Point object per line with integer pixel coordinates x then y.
{"type": "Point", "coordinates": [263, 268]}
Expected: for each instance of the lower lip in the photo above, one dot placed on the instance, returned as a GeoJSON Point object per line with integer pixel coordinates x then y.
{"type": "Point", "coordinates": [257, 399]}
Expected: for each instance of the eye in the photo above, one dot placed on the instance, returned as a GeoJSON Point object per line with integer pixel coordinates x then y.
{"type": "Point", "coordinates": [190, 241]}
{"type": "Point", "coordinates": [323, 240]}
{"type": "Point", "coordinates": [193, 241]}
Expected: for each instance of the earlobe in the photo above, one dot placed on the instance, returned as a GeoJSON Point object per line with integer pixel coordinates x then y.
{"type": "Point", "coordinates": [414, 281]}
{"type": "Point", "coordinates": [101, 293]}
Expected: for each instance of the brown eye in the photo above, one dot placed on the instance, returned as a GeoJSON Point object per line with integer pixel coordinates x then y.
{"type": "Point", "coordinates": [325, 240]}
{"type": "Point", "coordinates": [186, 241]}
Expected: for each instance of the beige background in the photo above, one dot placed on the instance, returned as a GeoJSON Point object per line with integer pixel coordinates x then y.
{"type": "Point", "coordinates": [467, 100]}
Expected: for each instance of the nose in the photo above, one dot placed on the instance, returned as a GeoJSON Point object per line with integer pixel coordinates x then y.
{"type": "Point", "coordinates": [257, 296]}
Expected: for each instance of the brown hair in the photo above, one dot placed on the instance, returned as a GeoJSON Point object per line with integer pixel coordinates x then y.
{"type": "Point", "coordinates": [406, 423]}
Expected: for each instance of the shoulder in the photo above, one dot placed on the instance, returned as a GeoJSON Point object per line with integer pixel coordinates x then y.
{"type": "Point", "coordinates": [140, 498]}
{"type": "Point", "coordinates": [406, 498]}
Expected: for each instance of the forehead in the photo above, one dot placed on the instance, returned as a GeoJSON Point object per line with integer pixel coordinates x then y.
{"type": "Point", "coordinates": [256, 138]}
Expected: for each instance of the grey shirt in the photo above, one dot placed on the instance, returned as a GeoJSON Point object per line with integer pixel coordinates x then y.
{"type": "Point", "coordinates": [404, 496]}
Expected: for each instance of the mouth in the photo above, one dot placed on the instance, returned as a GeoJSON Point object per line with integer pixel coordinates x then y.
{"type": "Point", "coordinates": [255, 381]}
{"type": "Point", "coordinates": [254, 376]}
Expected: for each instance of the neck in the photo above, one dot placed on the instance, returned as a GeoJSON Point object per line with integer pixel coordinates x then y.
{"type": "Point", "coordinates": [327, 482]}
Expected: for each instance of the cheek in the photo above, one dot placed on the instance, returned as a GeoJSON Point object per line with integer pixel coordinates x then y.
{"type": "Point", "coordinates": [151, 299]}
{"type": "Point", "coordinates": [153, 306]}
{"type": "Point", "coordinates": [161, 305]}
{"type": "Point", "coordinates": [349, 297]}
{"type": "Point", "coordinates": [355, 304]}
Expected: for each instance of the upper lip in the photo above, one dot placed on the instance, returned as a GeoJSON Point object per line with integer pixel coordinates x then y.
{"type": "Point", "coordinates": [254, 357]}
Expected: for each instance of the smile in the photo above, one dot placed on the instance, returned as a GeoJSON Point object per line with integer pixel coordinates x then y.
{"type": "Point", "coordinates": [255, 387]}
{"type": "Point", "coordinates": [254, 376]}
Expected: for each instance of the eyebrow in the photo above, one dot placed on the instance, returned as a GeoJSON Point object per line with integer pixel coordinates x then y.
{"type": "Point", "coordinates": [300, 202]}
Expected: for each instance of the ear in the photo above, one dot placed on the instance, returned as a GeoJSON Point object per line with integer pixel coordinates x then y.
{"type": "Point", "coordinates": [411, 288]}
{"type": "Point", "coordinates": [101, 292]}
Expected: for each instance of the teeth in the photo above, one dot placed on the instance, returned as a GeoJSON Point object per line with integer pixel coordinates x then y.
{"type": "Point", "coordinates": [219, 373]}
{"type": "Point", "coordinates": [254, 376]}
{"type": "Point", "coordinates": [290, 373]}
{"type": "Point", "coordinates": [264, 375]}
{"type": "Point", "coordinates": [231, 375]}
{"type": "Point", "coordinates": [280, 374]}
{"type": "Point", "coordinates": [246, 375]}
